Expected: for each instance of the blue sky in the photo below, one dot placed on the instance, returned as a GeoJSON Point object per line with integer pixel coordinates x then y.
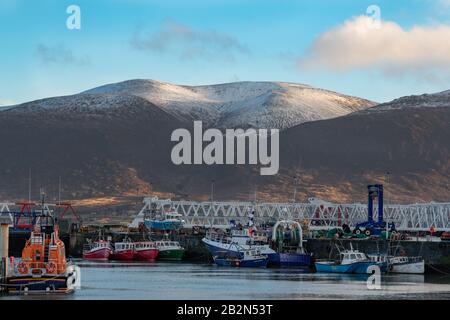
{"type": "Point", "coordinates": [216, 41]}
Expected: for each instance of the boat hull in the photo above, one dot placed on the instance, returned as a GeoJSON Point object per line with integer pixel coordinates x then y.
{"type": "Point", "coordinates": [357, 267]}
{"type": "Point", "coordinates": [411, 267]}
{"type": "Point", "coordinates": [125, 255]}
{"type": "Point", "coordinates": [99, 254]}
{"type": "Point", "coordinates": [29, 285]}
{"type": "Point", "coordinates": [146, 255]}
{"type": "Point", "coordinates": [290, 259]}
{"type": "Point", "coordinates": [171, 255]}
{"type": "Point", "coordinates": [254, 263]}
{"type": "Point", "coordinates": [163, 225]}
{"type": "Point", "coordinates": [215, 248]}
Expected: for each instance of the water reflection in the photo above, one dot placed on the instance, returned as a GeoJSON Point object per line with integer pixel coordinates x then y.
{"type": "Point", "coordinates": [185, 281]}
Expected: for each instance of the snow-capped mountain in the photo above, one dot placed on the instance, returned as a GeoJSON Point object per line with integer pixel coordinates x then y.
{"type": "Point", "coordinates": [117, 142]}
{"type": "Point", "coordinates": [241, 104]}
{"type": "Point", "coordinates": [232, 105]}
{"type": "Point", "coordinates": [435, 100]}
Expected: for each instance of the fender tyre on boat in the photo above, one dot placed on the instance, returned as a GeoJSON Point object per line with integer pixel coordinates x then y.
{"type": "Point", "coordinates": [50, 267]}
{"type": "Point", "coordinates": [22, 268]}
{"type": "Point", "coordinates": [357, 231]}
{"type": "Point", "coordinates": [367, 232]}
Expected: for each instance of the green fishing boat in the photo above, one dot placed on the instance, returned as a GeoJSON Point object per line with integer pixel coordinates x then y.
{"type": "Point", "coordinates": [170, 250]}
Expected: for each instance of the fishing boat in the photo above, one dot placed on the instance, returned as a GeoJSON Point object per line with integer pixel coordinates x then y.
{"type": "Point", "coordinates": [145, 251]}
{"type": "Point", "coordinates": [249, 258]}
{"type": "Point", "coordinates": [97, 250]}
{"type": "Point", "coordinates": [43, 267]}
{"type": "Point", "coordinates": [235, 238]}
{"type": "Point", "coordinates": [123, 251]}
{"type": "Point", "coordinates": [350, 261]}
{"type": "Point", "coordinates": [169, 250]}
{"type": "Point", "coordinates": [287, 240]}
{"type": "Point", "coordinates": [401, 264]}
{"type": "Point", "coordinates": [164, 221]}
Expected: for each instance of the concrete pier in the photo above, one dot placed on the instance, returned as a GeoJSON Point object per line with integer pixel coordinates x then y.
{"type": "Point", "coordinates": [4, 249]}
{"type": "Point", "coordinates": [4, 236]}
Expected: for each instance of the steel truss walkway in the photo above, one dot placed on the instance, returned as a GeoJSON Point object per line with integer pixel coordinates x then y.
{"type": "Point", "coordinates": [414, 217]}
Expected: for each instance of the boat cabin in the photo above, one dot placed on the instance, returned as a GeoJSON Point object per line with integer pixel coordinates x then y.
{"type": "Point", "coordinates": [124, 246]}
{"type": "Point", "coordinates": [166, 244]}
{"type": "Point", "coordinates": [145, 245]}
{"type": "Point", "coordinates": [251, 253]}
{"type": "Point", "coordinates": [352, 256]}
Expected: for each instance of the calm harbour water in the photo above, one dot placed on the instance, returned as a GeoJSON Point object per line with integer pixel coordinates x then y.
{"type": "Point", "coordinates": [185, 281]}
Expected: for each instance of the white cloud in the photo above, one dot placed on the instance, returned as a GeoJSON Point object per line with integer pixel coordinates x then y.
{"type": "Point", "coordinates": [422, 50]}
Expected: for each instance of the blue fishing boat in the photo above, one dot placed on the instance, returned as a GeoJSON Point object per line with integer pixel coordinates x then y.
{"type": "Point", "coordinates": [350, 261]}
{"type": "Point", "coordinates": [164, 221]}
{"type": "Point", "coordinates": [287, 239]}
{"type": "Point", "coordinates": [247, 258]}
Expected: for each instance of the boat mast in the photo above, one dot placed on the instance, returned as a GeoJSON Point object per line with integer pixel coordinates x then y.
{"type": "Point", "coordinates": [59, 190]}
{"type": "Point", "coordinates": [387, 221]}
{"type": "Point", "coordinates": [29, 184]}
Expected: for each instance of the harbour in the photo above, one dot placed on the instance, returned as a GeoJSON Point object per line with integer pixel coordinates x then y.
{"type": "Point", "coordinates": [315, 257]}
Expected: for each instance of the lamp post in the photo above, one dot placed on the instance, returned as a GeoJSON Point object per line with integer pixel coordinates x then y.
{"type": "Point", "coordinates": [295, 186]}
{"type": "Point", "coordinates": [212, 190]}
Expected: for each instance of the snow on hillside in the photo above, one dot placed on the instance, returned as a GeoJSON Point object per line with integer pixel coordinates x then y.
{"type": "Point", "coordinates": [241, 104]}
{"type": "Point", "coordinates": [79, 103]}
{"type": "Point", "coordinates": [441, 99]}
{"type": "Point", "coordinates": [231, 105]}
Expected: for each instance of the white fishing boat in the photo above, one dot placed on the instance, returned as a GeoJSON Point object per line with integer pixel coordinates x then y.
{"type": "Point", "coordinates": [216, 242]}
{"type": "Point", "coordinates": [401, 264]}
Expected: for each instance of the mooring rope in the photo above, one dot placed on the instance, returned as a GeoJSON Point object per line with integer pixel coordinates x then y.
{"type": "Point", "coordinates": [436, 269]}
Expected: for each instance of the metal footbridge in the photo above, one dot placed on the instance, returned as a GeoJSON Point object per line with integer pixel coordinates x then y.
{"type": "Point", "coordinates": [23, 215]}
{"type": "Point", "coordinates": [318, 215]}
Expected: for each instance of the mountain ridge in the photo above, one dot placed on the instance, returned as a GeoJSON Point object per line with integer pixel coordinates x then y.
{"type": "Point", "coordinates": [231, 105]}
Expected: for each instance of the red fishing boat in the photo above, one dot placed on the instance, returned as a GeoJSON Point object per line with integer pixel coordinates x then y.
{"type": "Point", "coordinates": [97, 250]}
{"type": "Point", "coordinates": [123, 251]}
{"type": "Point", "coordinates": [145, 251]}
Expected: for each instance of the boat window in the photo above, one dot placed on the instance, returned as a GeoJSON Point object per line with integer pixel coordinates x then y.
{"type": "Point", "coordinates": [353, 256]}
